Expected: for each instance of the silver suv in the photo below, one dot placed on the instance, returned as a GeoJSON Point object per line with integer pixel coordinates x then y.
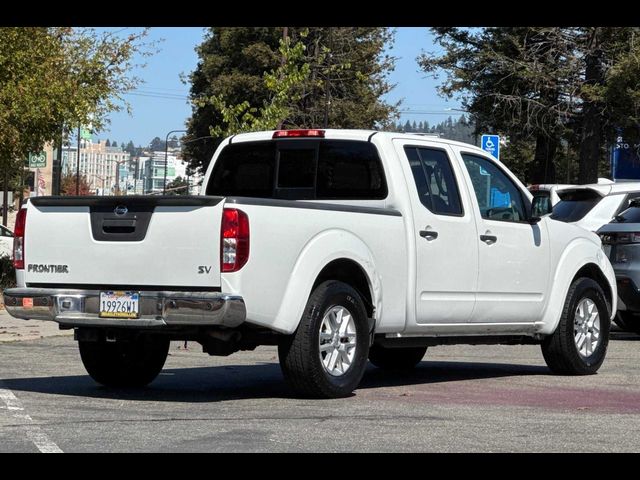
{"type": "Point", "coordinates": [621, 243]}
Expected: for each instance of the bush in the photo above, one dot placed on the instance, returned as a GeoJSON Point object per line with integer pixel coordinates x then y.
{"type": "Point", "coordinates": [7, 273]}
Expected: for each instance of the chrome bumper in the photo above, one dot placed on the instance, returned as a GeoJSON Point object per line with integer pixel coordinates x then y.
{"type": "Point", "coordinates": [79, 308]}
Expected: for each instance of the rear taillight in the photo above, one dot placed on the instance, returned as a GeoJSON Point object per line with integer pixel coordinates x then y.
{"type": "Point", "coordinates": [234, 240]}
{"type": "Point", "coordinates": [18, 239]}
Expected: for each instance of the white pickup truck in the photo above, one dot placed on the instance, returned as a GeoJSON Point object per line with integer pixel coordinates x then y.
{"type": "Point", "coordinates": [336, 245]}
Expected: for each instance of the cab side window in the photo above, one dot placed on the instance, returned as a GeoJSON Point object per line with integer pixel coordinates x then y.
{"type": "Point", "coordinates": [434, 179]}
{"type": "Point", "coordinates": [498, 197]}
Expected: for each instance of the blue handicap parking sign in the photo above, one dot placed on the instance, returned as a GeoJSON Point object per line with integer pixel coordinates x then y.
{"type": "Point", "coordinates": [491, 144]}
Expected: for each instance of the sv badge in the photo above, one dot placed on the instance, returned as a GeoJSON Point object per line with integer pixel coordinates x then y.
{"type": "Point", "coordinates": [202, 269]}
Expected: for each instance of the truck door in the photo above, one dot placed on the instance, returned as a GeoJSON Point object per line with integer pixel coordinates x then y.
{"type": "Point", "coordinates": [444, 234]}
{"type": "Point", "coordinates": [514, 255]}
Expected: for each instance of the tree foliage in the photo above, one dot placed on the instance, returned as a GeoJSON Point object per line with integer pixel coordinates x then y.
{"type": "Point", "coordinates": [157, 145]}
{"type": "Point", "coordinates": [460, 129]}
{"type": "Point", "coordinates": [560, 91]}
{"type": "Point", "coordinates": [178, 186]}
{"type": "Point", "coordinates": [58, 77]}
{"type": "Point", "coordinates": [333, 77]}
{"type": "Point", "coordinates": [68, 185]}
{"type": "Point", "coordinates": [283, 85]}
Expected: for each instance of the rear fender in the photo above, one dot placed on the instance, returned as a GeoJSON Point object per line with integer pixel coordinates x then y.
{"type": "Point", "coordinates": [316, 254]}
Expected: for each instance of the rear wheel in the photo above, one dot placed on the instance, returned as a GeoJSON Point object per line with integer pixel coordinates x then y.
{"type": "Point", "coordinates": [579, 344]}
{"type": "Point", "coordinates": [327, 355]}
{"type": "Point", "coordinates": [134, 363]}
{"type": "Point", "coordinates": [396, 358]}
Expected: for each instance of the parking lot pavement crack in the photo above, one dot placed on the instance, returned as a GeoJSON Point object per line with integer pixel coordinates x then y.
{"type": "Point", "coordinates": [235, 419]}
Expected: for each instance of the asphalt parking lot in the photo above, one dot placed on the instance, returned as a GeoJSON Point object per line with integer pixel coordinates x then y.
{"type": "Point", "coordinates": [459, 399]}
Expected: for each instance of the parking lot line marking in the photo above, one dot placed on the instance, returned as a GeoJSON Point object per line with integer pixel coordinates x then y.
{"type": "Point", "coordinates": [34, 432]}
{"type": "Point", "coordinates": [10, 400]}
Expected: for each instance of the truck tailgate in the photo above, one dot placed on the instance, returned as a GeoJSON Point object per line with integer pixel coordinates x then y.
{"type": "Point", "coordinates": [168, 241]}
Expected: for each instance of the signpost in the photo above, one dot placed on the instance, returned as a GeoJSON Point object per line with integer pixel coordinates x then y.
{"type": "Point", "coordinates": [625, 159]}
{"type": "Point", "coordinates": [491, 144]}
{"type": "Point", "coordinates": [37, 160]}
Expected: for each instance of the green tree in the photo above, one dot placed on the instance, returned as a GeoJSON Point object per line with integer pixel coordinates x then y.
{"type": "Point", "coordinates": [157, 144]}
{"type": "Point", "coordinates": [178, 186]}
{"type": "Point", "coordinates": [54, 78]}
{"type": "Point", "coordinates": [282, 83]}
{"type": "Point", "coordinates": [68, 185]}
{"type": "Point", "coordinates": [130, 148]}
{"type": "Point", "coordinates": [344, 87]}
{"type": "Point", "coordinates": [514, 81]}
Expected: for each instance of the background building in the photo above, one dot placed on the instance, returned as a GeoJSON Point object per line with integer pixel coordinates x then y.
{"type": "Point", "coordinates": [103, 166]}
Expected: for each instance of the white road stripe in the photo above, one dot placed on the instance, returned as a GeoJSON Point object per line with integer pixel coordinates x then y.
{"type": "Point", "coordinates": [10, 400]}
{"type": "Point", "coordinates": [34, 432]}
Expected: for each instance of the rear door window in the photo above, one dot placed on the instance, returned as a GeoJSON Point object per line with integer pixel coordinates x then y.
{"type": "Point", "coordinates": [434, 179]}
{"type": "Point", "coordinates": [574, 204]}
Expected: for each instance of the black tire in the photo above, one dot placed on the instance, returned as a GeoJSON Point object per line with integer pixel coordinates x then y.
{"type": "Point", "coordinates": [560, 350]}
{"type": "Point", "coordinates": [396, 358]}
{"type": "Point", "coordinates": [628, 321]}
{"type": "Point", "coordinates": [299, 354]}
{"type": "Point", "coordinates": [133, 363]}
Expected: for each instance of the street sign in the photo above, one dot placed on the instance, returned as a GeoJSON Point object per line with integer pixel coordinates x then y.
{"type": "Point", "coordinates": [85, 134]}
{"type": "Point", "coordinates": [491, 144]}
{"type": "Point", "coordinates": [37, 160]}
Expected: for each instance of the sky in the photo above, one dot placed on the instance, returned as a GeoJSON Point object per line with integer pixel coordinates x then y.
{"type": "Point", "coordinates": [160, 104]}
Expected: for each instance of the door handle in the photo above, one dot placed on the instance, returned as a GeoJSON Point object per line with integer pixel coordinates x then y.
{"type": "Point", "coordinates": [489, 239]}
{"type": "Point", "coordinates": [429, 234]}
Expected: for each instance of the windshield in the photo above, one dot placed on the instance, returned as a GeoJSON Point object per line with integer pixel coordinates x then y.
{"type": "Point", "coordinates": [574, 205]}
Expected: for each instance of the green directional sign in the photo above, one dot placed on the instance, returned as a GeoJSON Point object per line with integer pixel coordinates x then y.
{"type": "Point", "coordinates": [37, 160]}
{"type": "Point", "coordinates": [85, 134]}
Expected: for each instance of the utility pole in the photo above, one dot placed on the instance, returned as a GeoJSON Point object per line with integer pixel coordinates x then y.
{"type": "Point", "coordinates": [5, 197]}
{"type": "Point", "coordinates": [57, 166]}
{"type": "Point", "coordinates": [117, 192]}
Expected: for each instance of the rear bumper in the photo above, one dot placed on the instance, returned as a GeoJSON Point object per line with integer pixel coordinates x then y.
{"type": "Point", "coordinates": [79, 308]}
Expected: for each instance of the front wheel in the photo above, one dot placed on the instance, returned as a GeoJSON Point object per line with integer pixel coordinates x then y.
{"type": "Point", "coordinates": [579, 344]}
{"type": "Point", "coordinates": [327, 355]}
{"type": "Point", "coordinates": [134, 363]}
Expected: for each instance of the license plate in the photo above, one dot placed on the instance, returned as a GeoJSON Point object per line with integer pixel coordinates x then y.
{"type": "Point", "coordinates": [120, 304]}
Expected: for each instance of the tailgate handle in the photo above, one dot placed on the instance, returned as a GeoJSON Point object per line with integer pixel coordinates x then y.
{"type": "Point", "coordinates": [119, 226]}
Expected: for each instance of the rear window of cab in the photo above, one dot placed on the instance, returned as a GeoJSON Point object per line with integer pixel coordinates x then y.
{"type": "Point", "coordinates": [299, 170]}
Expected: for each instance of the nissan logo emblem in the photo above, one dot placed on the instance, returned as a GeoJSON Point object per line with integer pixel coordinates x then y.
{"type": "Point", "coordinates": [121, 210]}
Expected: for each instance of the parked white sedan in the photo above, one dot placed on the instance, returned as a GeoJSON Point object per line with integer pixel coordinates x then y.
{"type": "Point", "coordinates": [6, 241]}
